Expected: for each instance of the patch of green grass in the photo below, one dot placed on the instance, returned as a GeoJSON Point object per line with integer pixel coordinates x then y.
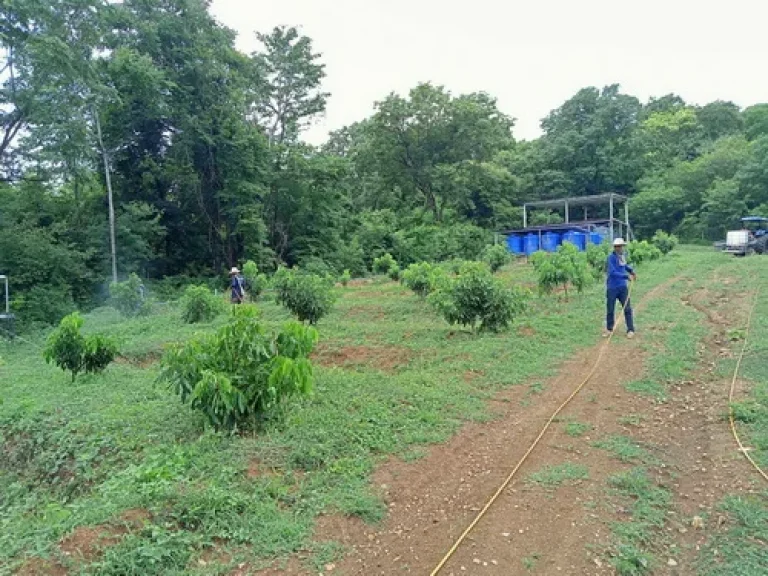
{"type": "Point", "coordinates": [324, 553]}
{"type": "Point", "coordinates": [647, 503]}
{"type": "Point", "coordinates": [529, 562]}
{"type": "Point", "coordinates": [81, 454]}
{"type": "Point", "coordinates": [577, 429]}
{"type": "Point", "coordinates": [625, 449]}
{"type": "Point", "coordinates": [647, 388]}
{"type": "Point", "coordinates": [557, 475]}
{"type": "Point", "coordinates": [742, 548]}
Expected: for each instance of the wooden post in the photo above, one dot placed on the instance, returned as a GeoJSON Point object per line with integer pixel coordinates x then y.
{"type": "Point", "coordinates": [567, 213]}
{"type": "Point", "coordinates": [525, 215]}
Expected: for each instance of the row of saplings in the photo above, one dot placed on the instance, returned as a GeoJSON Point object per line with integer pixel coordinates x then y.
{"type": "Point", "coordinates": [245, 372]}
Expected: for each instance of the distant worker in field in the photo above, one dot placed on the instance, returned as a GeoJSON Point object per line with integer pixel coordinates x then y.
{"type": "Point", "coordinates": [237, 282]}
{"type": "Point", "coordinates": [617, 288]}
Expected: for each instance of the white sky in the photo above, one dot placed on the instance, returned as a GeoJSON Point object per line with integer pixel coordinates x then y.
{"type": "Point", "coordinates": [531, 55]}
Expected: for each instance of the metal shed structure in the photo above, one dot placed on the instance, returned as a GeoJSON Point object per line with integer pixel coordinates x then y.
{"type": "Point", "coordinates": [585, 202]}
{"type": "Point", "coordinates": [7, 320]}
{"type": "Point", "coordinates": [580, 226]}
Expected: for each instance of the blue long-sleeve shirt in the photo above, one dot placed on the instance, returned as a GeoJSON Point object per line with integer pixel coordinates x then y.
{"type": "Point", "coordinates": [618, 271]}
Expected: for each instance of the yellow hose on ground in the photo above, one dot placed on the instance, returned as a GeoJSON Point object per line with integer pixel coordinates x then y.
{"type": "Point", "coordinates": [532, 447]}
{"type": "Point", "coordinates": [732, 420]}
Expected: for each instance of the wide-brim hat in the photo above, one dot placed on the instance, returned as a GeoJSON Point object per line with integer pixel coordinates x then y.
{"type": "Point", "coordinates": [619, 242]}
{"type": "Point", "coordinates": [234, 271]}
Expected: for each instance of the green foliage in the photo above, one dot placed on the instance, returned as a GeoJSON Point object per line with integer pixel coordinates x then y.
{"type": "Point", "coordinates": [306, 296]}
{"type": "Point", "coordinates": [383, 264]}
{"type": "Point", "coordinates": [564, 268]}
{"type": "Point", "coordinates": [496, 256]}
{"type": "Point", "coordinates": [597, 258]}
{"type": "Point", "coordinates": [345, 278]}
{"type": "Point", "coordinates": [128, 297]}
{"type": "Point", "coordinates": [69, 350]}
{"type": "Point", "coordinates": [664, 242]}
{"type": "Point", "coordinates": [394, 273]}
{"type": "Point", "coordinates": [642, 251]}
{"type": "Point", "coordinates": [554, 476]}
{"type": "Point", "coordinates": [255, 282]}
{"type": "Point", "coordinates": [478, 300]}
{"type": "Point", "coordinates": [243, 372]}
{"type": "Point", "coordinates": [199, 304]}
{"type": "Point", "coordinates": [422, 278]}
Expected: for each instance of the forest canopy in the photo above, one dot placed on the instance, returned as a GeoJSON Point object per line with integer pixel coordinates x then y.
{"type": "Point", "coordinates": [204, 151]}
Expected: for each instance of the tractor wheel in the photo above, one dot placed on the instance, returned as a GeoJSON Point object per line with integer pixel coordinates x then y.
{"type": "Point", "coordinates": [761, 245]}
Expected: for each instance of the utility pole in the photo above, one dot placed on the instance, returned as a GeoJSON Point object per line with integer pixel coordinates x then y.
{"type": "Point", "coordinates": [108, 178]}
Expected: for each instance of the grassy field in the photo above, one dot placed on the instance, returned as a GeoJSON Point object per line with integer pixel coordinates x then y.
{"type": "Point", "coordinates": [120, 453]}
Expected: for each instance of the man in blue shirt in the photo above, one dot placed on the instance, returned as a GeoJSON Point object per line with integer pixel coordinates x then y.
{"type": "Point", "coordinates": [617, 287]}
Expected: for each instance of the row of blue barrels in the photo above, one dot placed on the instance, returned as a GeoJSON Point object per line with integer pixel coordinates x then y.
{"type": "Point", "coordinates": [549, 241]}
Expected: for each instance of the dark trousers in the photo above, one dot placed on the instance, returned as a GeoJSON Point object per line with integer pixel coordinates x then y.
{"type": "Point", "coordinates": [622, 295]}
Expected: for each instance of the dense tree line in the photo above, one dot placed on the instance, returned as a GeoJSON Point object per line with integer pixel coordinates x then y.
{"type": "Point", "coordinates": [202, 146]}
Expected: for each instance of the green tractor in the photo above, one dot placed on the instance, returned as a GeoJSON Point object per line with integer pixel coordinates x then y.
{"type": "Point", "coordinates": [751, 239]}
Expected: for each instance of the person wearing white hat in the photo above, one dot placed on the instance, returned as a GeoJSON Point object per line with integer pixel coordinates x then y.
{"type": "Point", "coordinates": [617, 287]}
{"type": "Point", "coordinates": [238, 286]}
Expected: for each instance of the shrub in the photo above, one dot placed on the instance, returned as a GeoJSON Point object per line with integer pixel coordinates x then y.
{"type": "Point", "coordinates": [68, 349]}
{"type": "Point", "coordinates": [198, 304]}
{"type": "Point", "coordinates": [566, 267]}
{"type": "Point", "coordinates": [317, 267]}
{"type": "Point", "coordinates": [307, 296]}
{"type": "Point", "coordinates": [243, 372]}
{"type": "Point", "coordinates": [597, 257]}
{"type": "Point", "coordinates": [128, 297]}
{"type": "Point", "coordinates": [383, 264]}
{"type": "Point", "coordinates": [394, 273]}
{"type": "Point", "coordinates": [345, 278]}
{"type": "Point", "coordinates": [664, 242]}
{"type": "Point", "coordinates": [255, 282]}
{"type": "Point", "coordinates": [641, 252]}
{"type": "Point", "coordinates": [475, 298]}
{"type": "Point", "coordinates": [496, 256]}
{"type": "Point", "coordinates": [422, 278]}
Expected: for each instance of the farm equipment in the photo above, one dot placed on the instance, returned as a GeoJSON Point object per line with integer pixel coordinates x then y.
{"type": "Point", "coordinates": [752, 238]}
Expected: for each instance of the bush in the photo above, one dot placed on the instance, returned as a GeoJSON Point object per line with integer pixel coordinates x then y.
{"type": "Point", "coordinates": [345, 278]}
{"type": "Point", "coordinates": [422, 278]}
{"type": "Point", "coordinates": [128, 297]}
{"type": "Point", "coordinates": [68, 349]}
{"type": "Point", "coordinates": [394, 273]}
{"type": "Point", "coordinates": [478, 300]}
{"type": "Point", "coordinates": [243, 372]}
{"type": "Point", "coordinates": [307, 296]}
{"type": "Point", "coordinates": [317, 267]}
{"type": "Point", "coordinates": [597, 258]}
{"type": "Point", "coordinates": [641, 252]}
{"type": "Point", "coordinates": [198, 304]}
{"type": "Point", "coordinates": [566, 267]}
{"type": "Point", "coordinates": [255, 283]}
{"type": "Point", "coordinates": [496, 256]}
{"type": "Point", "coordinates": [664, 242]}
{"type": "Point", "coordinates": [383, 264]}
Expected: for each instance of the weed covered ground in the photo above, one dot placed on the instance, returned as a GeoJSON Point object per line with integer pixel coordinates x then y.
{"type": "Point", "coordinates": [410, 429]}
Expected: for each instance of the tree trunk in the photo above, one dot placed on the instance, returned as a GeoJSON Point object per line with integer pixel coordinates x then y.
{"type": "Point", "coordinates": [108, 178]}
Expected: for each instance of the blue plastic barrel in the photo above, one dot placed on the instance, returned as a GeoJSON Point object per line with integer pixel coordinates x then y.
{"type": "Point", "coordinates": [596, 238]}
{"type": "Point", "coordinates": [515, 244]}
{"type": "Point", "coordinates": [531, 244]}
{"type": "Point", "coordinates": [550, 241]}
{"type": "Point", "coordinates": [578, 239]}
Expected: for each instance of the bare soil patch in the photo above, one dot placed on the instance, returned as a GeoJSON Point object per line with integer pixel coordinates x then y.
{"type": "Point", "coordinates": [383, 358]}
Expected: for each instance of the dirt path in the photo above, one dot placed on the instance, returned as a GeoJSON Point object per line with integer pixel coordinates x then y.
{"type": "Point", "coordinates": [431, 501]}
{"type": "Point", "coordinates": [538, 530]}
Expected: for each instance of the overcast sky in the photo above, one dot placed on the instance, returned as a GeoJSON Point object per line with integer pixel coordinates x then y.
{"type": "Point", "coordinates": [531, 55]}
